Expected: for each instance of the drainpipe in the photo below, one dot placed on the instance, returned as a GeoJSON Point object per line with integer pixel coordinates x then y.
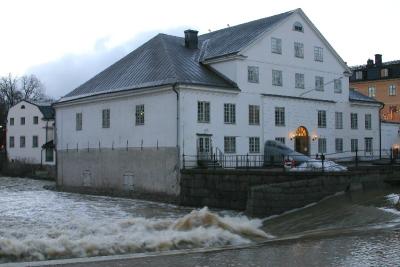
{"type": "Point", "coordinates": [174, 88]}
{"type": "Point", "coordinates": [380, 130]}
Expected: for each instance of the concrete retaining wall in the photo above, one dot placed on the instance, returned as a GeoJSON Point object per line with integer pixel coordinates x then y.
{"type": "Point", "coordinates": [263, 193]}
{"type": "Point", "coordinates": [119, 171]}
{"type": "Point", "coordinates": [227, 189]}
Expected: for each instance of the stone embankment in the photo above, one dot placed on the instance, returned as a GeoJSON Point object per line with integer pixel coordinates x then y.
{"type": "Point", "coordinates": [264, 192]}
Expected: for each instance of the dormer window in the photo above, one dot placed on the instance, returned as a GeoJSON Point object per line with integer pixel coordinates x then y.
{"type": "Point", "coordinates": [384, 73]}
{"type": "Point", "coordinates": [298, 27]}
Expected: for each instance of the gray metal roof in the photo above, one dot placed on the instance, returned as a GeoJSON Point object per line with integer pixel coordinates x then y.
{"type": "Point", "coordinates": [357, 96]}
{"type": "Point", "coordinates": [232, 40]}
{"type": "Point", "coordinates": [44, 107]}
{"type": "Point", "coordinates": [164, 60]}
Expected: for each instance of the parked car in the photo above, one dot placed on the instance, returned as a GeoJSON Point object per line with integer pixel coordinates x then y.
{"type": "Point", "coordinates": [277, 154]}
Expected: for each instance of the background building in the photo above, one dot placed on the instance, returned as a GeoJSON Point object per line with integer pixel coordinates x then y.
{"type": "Point", "coordinates": [380, 80]}
{"type": "Point", "coordinates": [30, 133]}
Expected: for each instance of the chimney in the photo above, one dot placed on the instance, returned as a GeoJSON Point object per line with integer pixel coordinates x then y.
{"type": "Point", "coordinates": [370, 62]}
{"type": "Point", "coordinates": [191, 40]}
{"type": "Point", "coordinates": [378, 59]}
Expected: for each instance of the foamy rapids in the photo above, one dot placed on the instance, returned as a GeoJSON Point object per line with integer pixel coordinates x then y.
{"type": "Point", "coordinates": [84, 238]}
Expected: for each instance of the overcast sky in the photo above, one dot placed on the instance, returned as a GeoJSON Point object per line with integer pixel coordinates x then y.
{"type": "Point", "coordinates": [66, 42]}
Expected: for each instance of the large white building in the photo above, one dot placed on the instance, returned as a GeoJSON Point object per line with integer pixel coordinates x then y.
{"type": "Point", "coordinates": [30, 133]}
{"type": "Point", "coordinates": [229, 90]}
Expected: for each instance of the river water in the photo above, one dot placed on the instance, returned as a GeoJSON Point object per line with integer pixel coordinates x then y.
{"type": "Point", "coordinates": [357, 229]}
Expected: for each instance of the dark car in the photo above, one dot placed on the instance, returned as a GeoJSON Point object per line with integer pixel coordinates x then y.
{"type": "Point", "coordinates": [276, 153]}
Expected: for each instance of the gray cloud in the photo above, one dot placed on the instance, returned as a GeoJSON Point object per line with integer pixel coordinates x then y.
{"type": "Point", "coordinates": [65, 74]}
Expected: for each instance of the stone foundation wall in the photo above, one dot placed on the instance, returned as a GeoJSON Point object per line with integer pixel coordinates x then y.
{"type": "Point", "coordinates": [263, 192]}
{"type": "Point", "coordinates": [119, 171]}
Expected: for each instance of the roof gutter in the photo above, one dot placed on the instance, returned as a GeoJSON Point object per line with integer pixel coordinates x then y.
{"type": "Point", "coordinates": [174, 88]}
{"type": "Point", "coordinates": [380, 130]}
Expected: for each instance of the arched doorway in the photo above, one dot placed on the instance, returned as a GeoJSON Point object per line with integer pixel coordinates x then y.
{"type": "Point", "coordinates": [302, 141]}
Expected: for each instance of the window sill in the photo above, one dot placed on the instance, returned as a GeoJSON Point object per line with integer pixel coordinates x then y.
{"type": "Point", "coordinates": [254, 124]}
{"type": "Point", "coordinates": [280, 125]}
{"type": "Point", "coordinates": [203, 122]}
{"type": "Point", "coordinates": [230, 123]}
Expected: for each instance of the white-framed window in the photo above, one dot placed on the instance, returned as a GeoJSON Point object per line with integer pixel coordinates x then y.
{"type": "Point", "coordinates": [321, 145]}
{"type": "Point", "coordinates": [339, 145]}
{"type": "Point", "coordinates": [11, 121]}
{"type": "Point", "coordinates": [279, 116]}
{"type": "Point", "coordinates": [372, 91]}
{"type": "Point", "coordinates": [252, 74]}
{"type": "Point", "coordinates": [339, 120]}
{"type": "Point", "coordinates": [277, 78]}
{"type": "Point", "coordinates": [359, 75]}
{"type": "Point", "coordinates": [35, 141]}
{"type": "Point", "coordinates": [276, 45]}
{"type": "Point", "coordinates": [354, 145]}
{"type": "Point", "coordinates": [254, 144]}
{"type": "Point", "coordinates": [298, 27]}
{"type": "Point", "coordinates": [298, 50]}
{"type": "Point", "coordinates": [11, 142]}
{"type": "Point", "coordinates": [392, 90]}
{"type": "Point", "coordinates": [368, 122]}
{"type": "Point", "coordinates": [203, 111]}
{"type": "Point", "coordinates": [337, 86]}
{"type": "Point", "coordinates": [139, 115]}
{"type": "Point", "coordinates": [35, 120]}
{"type": "Point", "coordinates": [321, 118]}
{"type": "Point", "coordinates": [229, 144]}
{"type": "Point", "coordinates": [22, 141]}
{"type": "Point", "coordinates": [280, 139]}
{"type": "Point", "coordinates": [368, 144]}
{"type": "Point", "coordinates": [319, 83]}
{"type": "Point", "coordinates": [105, 118]}
{"type": "Point", "coordinates": [318, 54]}
{"type": "Point", "coordinates": [353, 121]}
{"type": "Point", "coordinates": [229, 113]}
{"type": "Point", "coordinates": [384, 73]}
{"type": "Point", "coordinates": [254, 115]}
{"type": "Point", "coordinates": [299, 80]}
{"type": "Point", "coordinates": [22, 121]}
{"type": "Point", "coordinates": [78, 121]}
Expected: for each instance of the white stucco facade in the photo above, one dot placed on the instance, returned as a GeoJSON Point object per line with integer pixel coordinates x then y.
{"type": "Point", "coordinates": [301, 105]}
{"type": "Point", "coordinates": [25, 122]}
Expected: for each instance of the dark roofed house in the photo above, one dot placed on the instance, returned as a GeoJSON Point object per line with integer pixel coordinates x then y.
{"type": "Point", "coordinates": [221, 93]}
{"type": "Point", "coordinates": [380, 80]}
{"type": "Point", "coordinates": [30, 132]}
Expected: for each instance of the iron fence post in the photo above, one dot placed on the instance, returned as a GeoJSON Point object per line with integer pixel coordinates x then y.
{"type": "Point", "coordinates": [356, 158]}
{"type": "Point", "coordinates": [322, 161]}
{"type": "Point", "coordinates": [183, 160]}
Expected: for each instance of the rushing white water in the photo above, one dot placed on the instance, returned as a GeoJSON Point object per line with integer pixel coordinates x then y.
{"type": "Point", "coordinates": [37, 224]}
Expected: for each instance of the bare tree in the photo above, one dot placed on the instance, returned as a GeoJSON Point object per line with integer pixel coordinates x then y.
{"type": "Point", "coordinates": [9, 92]}
{"type": "Point", "coordinates": [31, 88]}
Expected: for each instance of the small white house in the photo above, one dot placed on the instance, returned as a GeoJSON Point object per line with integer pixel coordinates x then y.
{"type": "Point", "coordinates": [228, 91]}
{"type": "Point", "coordinates": [30, 133]}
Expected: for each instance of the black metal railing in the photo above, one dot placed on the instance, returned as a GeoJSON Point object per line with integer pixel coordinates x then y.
{"type": "Point", "coordinates": [318, 162]}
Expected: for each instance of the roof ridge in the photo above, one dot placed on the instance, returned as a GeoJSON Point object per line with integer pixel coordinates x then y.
{"type": "Point", "coordinates": [249, 22]}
